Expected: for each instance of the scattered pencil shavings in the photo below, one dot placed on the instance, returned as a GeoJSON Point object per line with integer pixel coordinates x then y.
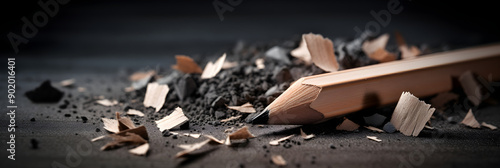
{"type": "Point", "coordinates": [98, 138]}
{"type": "Point", "coordinates": [411, 114]}
{"type": "Point", "coordinates": [107, 102]}
{"type": "Point", "coordinates": [140, 150]}
{"type": "Point", "coordinates": [231, 118]}
{"type": "Point", "coordinates": [278, 160]}
{"type": "Point", "coordinates": [470, 120]}
{"type": "Point", "coordinates": [189, 148]}
{"type": "Point", "coordinates": [141, 75]}
{"type": "Point", "coordinates": [155, 96]}
{"type": "Point", "coordinates": [347, 125]}
{"type": "Point", "coordinates": [242, 133]}
{"type": "Point", "coordinates": [67, 82]}
{"type": "Point", "coordinates": [442, 99]}
{"type": "Point", "coordinates": [186, 65]}
{"type": "Point", "coordinates": [302, 52]}
{"type": "Point", "coordinates": [471, 87]}
{"type": "Point", "coordinates": [277, 141]}
{"type": "Point", "coordinates": [135, 112]}
{"type": "Point", "coordinates": [375, 129]}
{"type": "Point", "coordinates": [44, 93]}
{"type": "Point", "coordinates": [375, 49]}
{"type": "Point", "coordinates": [176, 118]}
{"type": "Point", "coordinates": [322, 52]}
{"type": "Point", "coordinates": [211, 69]}
{"type": "Point", "coordinates": [229, 65]}
{"type": "Point", "coordinates": [305, 136]}
{"type": "Point", "coordinates": [373, 138]}
{"type": "Point", "coordinates": [259, 62]}
{"type": "Point", "coordinates": [245, 108]}
{"type": "Point", "coordinates": [492, 127]}
{"type": "Point", "coordinates": [406, 51]}
{"type": "Point", "coordinates": [122, 140]}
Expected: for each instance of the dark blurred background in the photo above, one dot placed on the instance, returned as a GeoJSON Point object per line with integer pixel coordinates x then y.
{"type": "Point", "coordinates": [146, 32]}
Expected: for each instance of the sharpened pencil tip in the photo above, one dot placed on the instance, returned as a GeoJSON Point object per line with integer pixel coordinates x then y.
{"type": "Point", "coordinates": [258, 118]}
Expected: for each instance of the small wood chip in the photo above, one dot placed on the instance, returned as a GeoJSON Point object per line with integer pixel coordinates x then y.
{"type": "Point", "coordinates": [107, 102]}
{"type": "Point", "coordinates": [259, 62]}
{"type": "Point", "coordinates": [492, 127]}
{"type": "Point", "coordinates": [141, 131]}
{"type": "Point", "coordinates": [227, 141]}
{"type": "Point", "coordinates": [98, 138]}
{"type": "Point", "coordinates": [347, 125]}
{"type": "Point", "coordinates": [125, 123]}
{"type": "Point", "coordinates": [186, 64]}
{"type": "Point", "coordinates": [302, 52]}
{"type": "Point", "coordinates": [213, 139]}
{"type": "Point", "coordinates": [278, 160]}
{"type": "Point", "coordinates": [192, 135]}
{"type": "Point", "coordinates": [245, 108]}
{"type": "Point", "coordinates": [141, 75]}
{"type": "Point", "coordinates": [140, 150]}
{"type": "Point", "coordinates": [411, 114]}
{"type": "Point", "coordinates": [135, 112]}
{"type": "Point", "coordinates": [211, 69]}
{"type": "Point", "coordinates": [375, 49]}
{"type": "Point", "coordinates": [231, 118]}
{"type": "Point", "coordinates": [67, 82]}
{"type": "Point", "coordinates": [374, 138]}
{"type": "Point", "coordinates": [305, 136]}
{"type": "Point", "coordinates": [155, 95]}
{"type": "Point", "coordinates": [322, 52]}
{"type": "Point", "coordinates": [242, 133]}
{"type": "Point", "coordinates": [277, 141]}
{"type": "Point", "coordinates": [175, 119]}
{"type": "Point", "coordinates": [229, 65]}
{"type": "Point", "coordinates": [188, 148]}
{"type": "Point", "coordinates": [470, 120]}
{"type": "Point", "coordinates": [121, 140]}
{"type": "Point", "coordinates": [110, 125]}
{"type": "Point", "coordinates": [374, 129]}
{"type": "Point", "coordinates": [428, 127]}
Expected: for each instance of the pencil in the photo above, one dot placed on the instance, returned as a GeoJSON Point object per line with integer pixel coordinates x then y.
{"type": "Point", "coordinates": [317, 98]}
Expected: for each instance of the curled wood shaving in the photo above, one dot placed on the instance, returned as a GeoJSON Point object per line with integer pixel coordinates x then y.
{"type": "Point", "coordinates": [107, 102]}
{"type": "Point", "coordinates": [374, 138]}
{"type": "Point", "coordinates": [140, 150]}
{"type": "Point", "coordinates": [278, 160]}
{"type": "Point", "coordinates": [411, 114]}
{"type": "Point", "coordinates": [176, 118]}
{"type": "Point", "coordinates": [492, 127]}
{"type": "Point", "coordinates": [375, 49]}
{"type": "Point", "coordinates": [211, 69]}
{"type": "Point", "coordinates": [305, 136]}
{"type": "Point", "coordinates": [347, 125]}
{"type": "Point", "coordinates": [186, 64]}
{"type": "Point", "coordinates": [245, 108]}
{"type": "Point", "coordinates": [374, 129]}
{"type": "Point", "coordinates": [67, 82]}
{"type": "Point", "coordinates": [242, 133]}
{"type": "Point", "coordinates": [322, 52]}
{"type": "Point", "coordinates": [155, 95]}
{"type": "Point", "coordinates": [470, 120]}
{"type": "Point", "coordinates": [231, 118]}
{"type": "Point", "coordinates": [302, 52]}
{"type": "Point", "coordinates": [259, 62]}
{"type": "Point", "coordinates": [135, 112]}
{"type": "Point", "coordinates": [277, 141]}
{"type": "Point", "coordinates": [188, 148]}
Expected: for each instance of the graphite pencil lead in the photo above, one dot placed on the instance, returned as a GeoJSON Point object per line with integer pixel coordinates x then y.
{"type": "Point", "coordinates": [258, 118]}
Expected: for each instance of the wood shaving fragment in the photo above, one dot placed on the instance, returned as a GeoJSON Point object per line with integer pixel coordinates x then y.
{"type": "Point", "coordinates": [141, 131]}
{"type": "Point", "coordinates": [470, 120]}
{"type": "Point", "coordinates": [242, 133]}
{"type": "Point", "coordinates": [322, 52]}
{"type": "Point", "coordinates": [81, 89]}
{"type": "Point", "coordinates": [176, 118]}
{"type": "Point", "coordinates": [245, 108]}
{"type": "Point", "coordinates": [121, 140]}
{"type": "Point", "coordinates": [213, 139]}
{"type": "Point", "coordinates": [278, 160]}
{"type": "Point", "coordinates": [374, 129]}
{"type": "Point", "coordinates": [374, 138]}
{"type": "Point", "coordinates": [211, 69]}
{"type": "Point", "coordinates": [140, 150]}
{"type": "Point", "coordinates": [406, 51]}
{"type": "Point", "coordinates": [227, 141]}
{"type": "Point", "coordinates": [375, 49]}
{"type": "Point", "coordinates": [231, 118]}
{"type": "Point", "coordinates": [135, 112]}
{"type": "Point", "coordinates": [186, 64]}
{"type": "Point", "coordinates": [129, 89]}
{"type": "Point", "coordinates": [98, 138]}
{"type": "Point", "coordinates": [428, 127]}
{"type": "Point", "coordinates": [141, 75]}
{"type": "Point", "coordinates": [302, 52]}
{"type": "Point", "coordinates": [411, 114]}
{"type": "Point", "coordinates": [110, 125]}
{"type": "Point", "coordinates": [471, 87]}
{"type": "Point", "coordinates": [230, 129]}
{"type": "Point", "coordinates": [259, 62]}
{"type": "Point", "coordinates": [67, 82]}
{"type": "Point", "coordinates": [277, 141]}
{"type": "Point", "coordinates": [229, 65]}
{"type": "Point", "coordinates": [492, 127]}
{"type": "Point", "coordinates": [188, 148]}
{"type": "Point", "coordinates": [347, 125]}
{"type": "Point", "coordinates": [305, 136]}
{"type": "Point", "coordinates": [155, 95]}
{"type": "Point", "coordinates": [107, 102]}
{"type": "Point", "coordinates": [125, 123]}
{"type": "Point", "coordinates": [192, 135]}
